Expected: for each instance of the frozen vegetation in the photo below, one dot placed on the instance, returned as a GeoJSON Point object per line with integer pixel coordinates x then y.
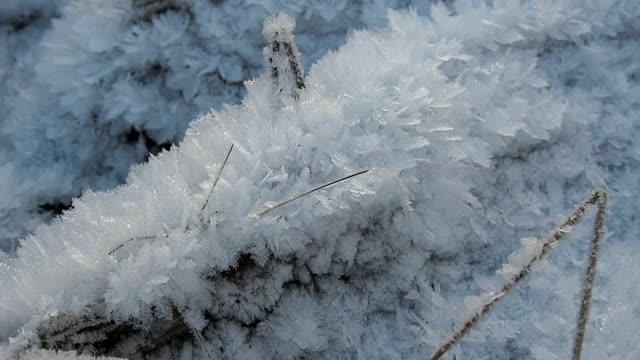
{"type": "Point", "coordinates": [479, 126]}
{"type": "Point", "coordinates": [109, 82]}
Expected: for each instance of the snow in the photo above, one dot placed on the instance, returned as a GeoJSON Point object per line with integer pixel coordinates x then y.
{"type": "Point", "coordinates": [478, 127]}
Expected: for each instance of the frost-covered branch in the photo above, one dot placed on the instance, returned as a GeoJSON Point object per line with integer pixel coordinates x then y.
{"type": "Point", "coordinates": [534, 253]}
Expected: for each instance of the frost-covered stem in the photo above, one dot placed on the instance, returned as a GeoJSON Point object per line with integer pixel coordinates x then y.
{"type": "Point", "coordinates": [273, 67]}
{"type": "Point", "coordinates": [295, 63]}
{"type": "Point", "coordinates": [278, 30]}
{"type": "Point", "coordinates": [597, 198]}
{"type": "Point", "coordinates": [600, 200]}
{"type": "Point", "coordinates": [285, 202]}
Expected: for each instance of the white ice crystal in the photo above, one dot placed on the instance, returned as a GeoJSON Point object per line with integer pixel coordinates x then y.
{"type": "Point", "coordinates": [279, 27]}
{"type": "Point", "coordinates": [478, 127]}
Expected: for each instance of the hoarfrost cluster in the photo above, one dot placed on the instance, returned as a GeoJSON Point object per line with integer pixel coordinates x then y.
{"type": "Point", "coordinates": [479, 125]}
{"type": "Point", "coordinates": [105, 83]}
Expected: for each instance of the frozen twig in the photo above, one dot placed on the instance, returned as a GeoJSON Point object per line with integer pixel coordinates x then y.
{"type": "Point", "coordinates": [278, 30]}
{"type": "Point", "coordinates": [597, 199]}
{"type": "Point", "coordinates": [282, 203]}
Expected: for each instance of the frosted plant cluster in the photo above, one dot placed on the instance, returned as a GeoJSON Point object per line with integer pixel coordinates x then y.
{"type": "Point", "coordinates": [479, 127]}
{"type": "Point", "coordinates": [112, 81]}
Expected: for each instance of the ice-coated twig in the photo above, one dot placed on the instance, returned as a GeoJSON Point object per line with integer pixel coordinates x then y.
{"type": "Point", "coordinates": [278, 31]}
{"type": "Point", "coordinates": [285, 202]}
{"type": "Point", "coordinates": [215, 182]}
{"type": "Point", "coordinates": [597, 199]}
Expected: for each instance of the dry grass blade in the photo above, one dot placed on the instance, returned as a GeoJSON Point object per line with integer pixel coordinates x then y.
{"type": "Point", "coordinates": [215, 182]}
{"type": "Point", "coordinates": [285, 202]}
{"type": "Point", "coordinates": [598, 199]}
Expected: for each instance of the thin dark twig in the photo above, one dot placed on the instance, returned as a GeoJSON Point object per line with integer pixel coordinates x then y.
{"type": "Point", "coordinates": [597, 198]}
{"type": "Point", "coordinates": [131, 240]}
{"type": "Point", "coordinates": [263, 212]}
{"type": "Point", "coordinates": [215, 182]}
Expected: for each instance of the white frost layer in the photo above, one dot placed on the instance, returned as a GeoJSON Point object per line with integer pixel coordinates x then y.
{"type": "Point", "coordinates": [478, 129]}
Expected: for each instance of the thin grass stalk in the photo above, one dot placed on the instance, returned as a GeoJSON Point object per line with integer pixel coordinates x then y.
{"type": "Point", "coordinates": [597, 198]}
{"type": "Point", "coordinates": [285, 202]}
{"type": "Point", "coordinates": [215, 182]}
